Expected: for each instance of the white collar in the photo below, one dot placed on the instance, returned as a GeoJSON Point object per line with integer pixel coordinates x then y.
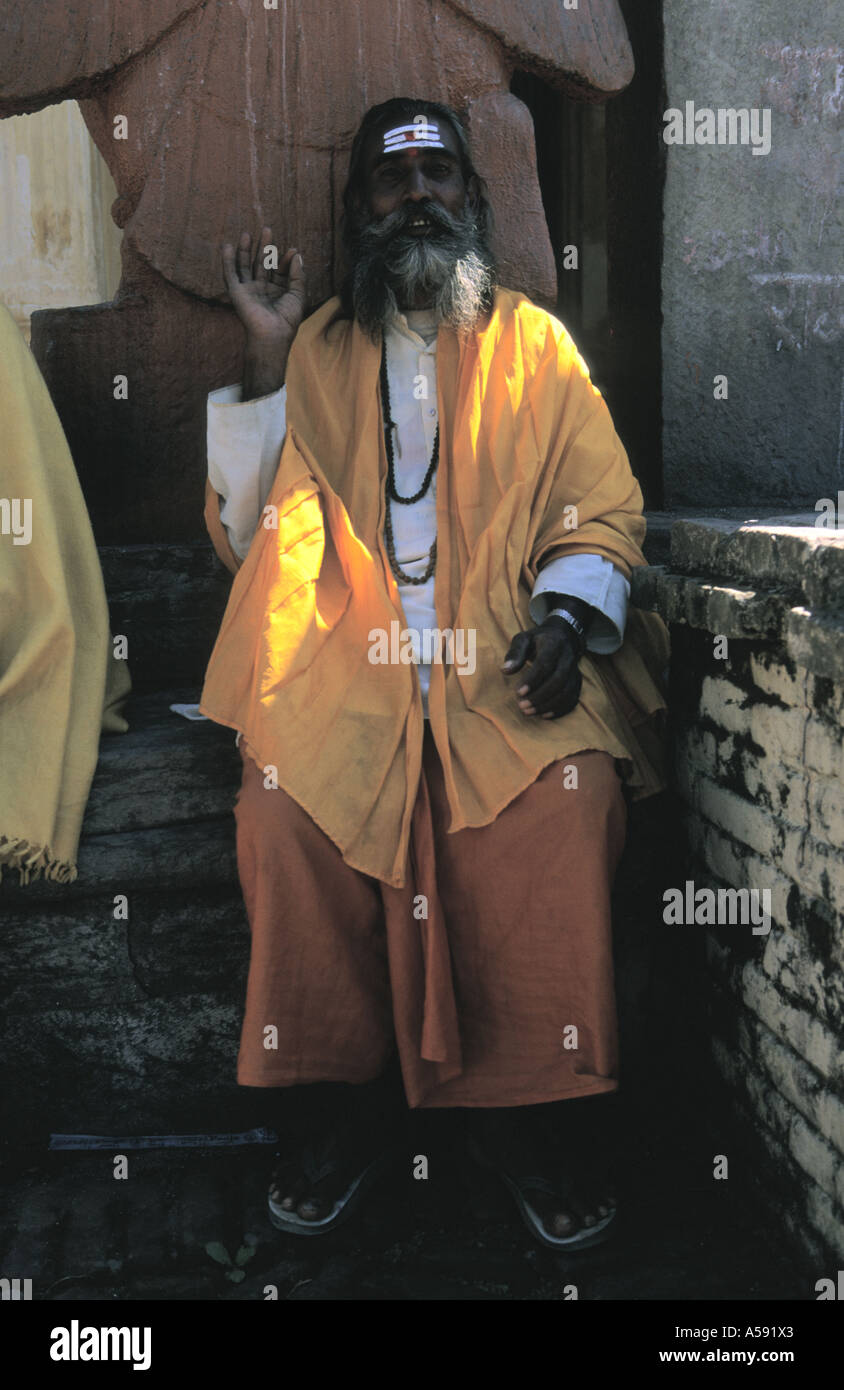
{"type": "Point", "coordinates": [417, 325]}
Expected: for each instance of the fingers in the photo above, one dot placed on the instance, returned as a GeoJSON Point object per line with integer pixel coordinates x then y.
{"type": "Point", "coordinates": [552, 686]}
{"type": "Point", "coordinates": [558, 696]}
{"type": "Point", "coordinates": [552, 691]}
{"type": "Point", "coordinates": [545, 677]}
{"type": "Point", "coordinates": [296, 272]}
{"type": "Point", "coordinates": [229, 267]}
{"type": "Point", "coordinates": [240, 265]}
{"type": "Point", "coordinates": [550, 653]}
{"type": "Point", "coordinates": [521, 649]}
{"type": "Point", "coordinates": [259, 270]}
{"type": "Point", "coordinates": [561, 700]}
{"type": "Point", "coordinates": [291, 269]}
{"type": "Point", "coordinates": [243, 257]}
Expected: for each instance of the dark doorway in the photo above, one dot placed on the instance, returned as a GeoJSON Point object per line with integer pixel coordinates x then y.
{"type": "Point", "coordinates": [601, 173]}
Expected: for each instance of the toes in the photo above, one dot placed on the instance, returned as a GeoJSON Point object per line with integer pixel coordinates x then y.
{"type": "Point", "coordinates": [578, 1217]}
{"type": "Point", "coordinates": [292, 1196]}
{"type": "Point", "coordinates": [312, 1209]}
{"type": "Point", "coordinates": [555, 1221]}
{"type": "Point", "coordinates": [562, 1224]}
{"type": "Point", "coordinates": [286, 1190]}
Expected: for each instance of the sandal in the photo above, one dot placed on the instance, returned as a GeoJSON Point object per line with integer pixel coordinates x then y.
{"type": "Point", "coordinates": [320, 1163]}
{"type": "Point", "coordinates": [522, 1183]}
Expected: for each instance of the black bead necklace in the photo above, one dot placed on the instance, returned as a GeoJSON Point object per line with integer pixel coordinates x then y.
{"type": "Point", "coordinates": [392, 491]}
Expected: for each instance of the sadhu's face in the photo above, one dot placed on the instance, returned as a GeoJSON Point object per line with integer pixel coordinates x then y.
{"type": "Point", "coordinates": [413, 239]}
{"type": "Point", "coordinates": [411, 163]}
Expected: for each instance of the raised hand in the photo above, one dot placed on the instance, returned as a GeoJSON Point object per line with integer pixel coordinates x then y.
{"type": "Point", "coordinates": [270, 305]}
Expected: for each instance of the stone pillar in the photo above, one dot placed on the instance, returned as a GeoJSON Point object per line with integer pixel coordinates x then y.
{"type": "Point", "coordinates": [58, 243]}
{"type": "Point", "coordinates": [753, 248]}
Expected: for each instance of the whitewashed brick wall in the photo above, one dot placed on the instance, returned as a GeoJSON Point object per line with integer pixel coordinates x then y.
{"type": "Point", "coordinates": [758, 748]}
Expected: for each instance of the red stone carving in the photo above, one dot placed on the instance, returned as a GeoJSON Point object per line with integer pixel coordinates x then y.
{"type": "Point", "coordinates": [241, 115]}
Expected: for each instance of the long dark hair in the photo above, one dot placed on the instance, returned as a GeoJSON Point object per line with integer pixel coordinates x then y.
{"type": "Point", "coordinates": [402, 110]}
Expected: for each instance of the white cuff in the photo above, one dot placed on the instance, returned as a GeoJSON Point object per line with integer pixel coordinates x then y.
{"type": "Point", "coordinates": [244, 446]}
{"type": "Point", "coordinates": [597, 582]}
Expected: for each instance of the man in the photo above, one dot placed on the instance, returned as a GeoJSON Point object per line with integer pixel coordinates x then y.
{"type": "Point", "coordinates": [432, 528]}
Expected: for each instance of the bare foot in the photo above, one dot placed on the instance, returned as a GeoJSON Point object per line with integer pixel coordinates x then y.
{"type": "Point", "coordinates": [310, 1182]}
{"type": "Point", "coordinates": [561, 1181]}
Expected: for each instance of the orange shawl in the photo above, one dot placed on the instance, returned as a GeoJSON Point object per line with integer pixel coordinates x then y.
{"type": "Point", "coordinates": [523, 435]}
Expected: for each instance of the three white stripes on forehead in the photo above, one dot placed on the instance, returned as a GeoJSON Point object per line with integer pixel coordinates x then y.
{"type": "Point", "coordinates": [423, 133]}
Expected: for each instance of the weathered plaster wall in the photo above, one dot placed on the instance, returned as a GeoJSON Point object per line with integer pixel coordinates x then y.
{"type": "Point", "coordinates": [758, 741]}
{"type": "Point", "coordinates": [752, 281]}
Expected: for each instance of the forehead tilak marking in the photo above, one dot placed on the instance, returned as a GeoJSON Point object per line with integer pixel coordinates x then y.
{"type": "Point", "coordinates": [423, 134]}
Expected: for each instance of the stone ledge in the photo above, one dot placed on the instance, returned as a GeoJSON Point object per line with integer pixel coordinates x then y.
{"type": "Point", "coordinates": [168, 601]}
{"type": "Point", "coordinates": [162, 859]}
{"type": "Point", "coordinates": [780, 580]}
{"type": "Point", "coordinates": [165, 770]}
{"type": "Point", "coordinates": [159, 814]}
{"type": "Point", "coordinates": [177, 943]}
{"type": "Point", "coordinates": [728, 611]}
{"type": "Point", "coordinates": [787, 552]}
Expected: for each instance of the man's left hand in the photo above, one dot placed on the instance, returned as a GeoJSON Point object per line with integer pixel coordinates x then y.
{"type": "Point", "coordinates": [552, 686]}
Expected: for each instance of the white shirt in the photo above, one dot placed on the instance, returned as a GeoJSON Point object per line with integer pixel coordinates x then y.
{"type": "Point", "coordinates": [412, 378]}
{"type": "Point", "coordinates": [244, 445]}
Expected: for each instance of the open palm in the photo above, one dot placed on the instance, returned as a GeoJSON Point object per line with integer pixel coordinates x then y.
{"type": "Point", "coordinates": [269, 303]}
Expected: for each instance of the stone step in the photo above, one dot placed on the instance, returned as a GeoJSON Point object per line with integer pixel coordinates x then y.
{"type": "Point", "coordinates": [159, 812]}
{"type": "Point", "coordinates": [166, 770]}
{"type": "Point", "coordinates": [104, 1018]}
{"type": "Point", "coordinates": [168, 601]}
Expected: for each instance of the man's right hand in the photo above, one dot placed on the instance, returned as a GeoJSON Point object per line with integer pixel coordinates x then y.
{"type": "Point", "coordinates": [269, 304]}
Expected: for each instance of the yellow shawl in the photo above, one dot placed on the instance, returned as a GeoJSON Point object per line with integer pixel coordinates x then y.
{"type": "Point", "coordinates": [523, 435]}
{"type": "Point", "coordinates": [59, 684]}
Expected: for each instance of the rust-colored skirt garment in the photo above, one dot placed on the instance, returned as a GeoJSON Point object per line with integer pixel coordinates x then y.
{"type": "Point", "coordinates": [490, 971]}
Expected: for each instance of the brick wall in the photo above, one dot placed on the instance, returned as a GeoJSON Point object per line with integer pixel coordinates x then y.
{"type": "Point", "coordinates": [757, 703]}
